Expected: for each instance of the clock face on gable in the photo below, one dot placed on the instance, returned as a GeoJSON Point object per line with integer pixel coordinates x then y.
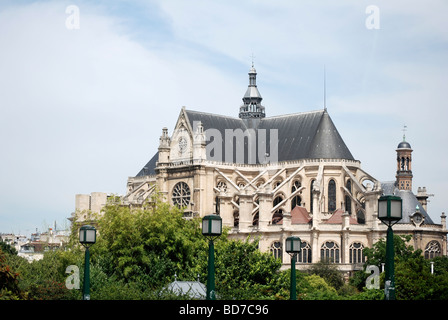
{"type": "Point", "coordinates": [417, 218]}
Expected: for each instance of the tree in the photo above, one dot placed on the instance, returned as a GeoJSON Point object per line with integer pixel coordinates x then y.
{"type": "Point", "coordinates": [9, 281]}
{"type": "Point", "coordinates": [147, 245]}
{"type": "Point", "coordinates": [413, 279]}
{"type": "Point", "coordinates": [242, 271]}
{"type": "Point", "coordinates": [329, 272]}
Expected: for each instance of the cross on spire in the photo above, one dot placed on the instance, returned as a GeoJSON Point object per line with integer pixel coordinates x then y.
{"type": "Point", "coordinates": [405, 128]}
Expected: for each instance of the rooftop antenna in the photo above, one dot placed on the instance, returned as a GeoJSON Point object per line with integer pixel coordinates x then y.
{"type": "Point", "coordinates": [325, 91]}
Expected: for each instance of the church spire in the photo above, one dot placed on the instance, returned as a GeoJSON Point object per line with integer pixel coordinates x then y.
{"type": "Point", "coordinates": [252, 108]}
{"type": "Point", "coordinates": [404, 164]}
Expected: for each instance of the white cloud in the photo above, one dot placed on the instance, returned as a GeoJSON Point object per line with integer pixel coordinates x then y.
{"type": "Point", "coordinates": [83, 109]}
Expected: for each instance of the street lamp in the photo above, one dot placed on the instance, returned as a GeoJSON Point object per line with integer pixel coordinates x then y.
{"type": "Point", "coordinates": [293, 247]}
{"type": "Point", "coordinates": [87, 237]}
{"type": "Point", "coordinates": [211, 228]}
{"type": "Point", "coordinates": [389, 212]}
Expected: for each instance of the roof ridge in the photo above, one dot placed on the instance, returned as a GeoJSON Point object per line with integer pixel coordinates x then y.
{"type": "Point", "coordinates": [212, 114]}
{"type": "Point", "coordinates": [293, 114]}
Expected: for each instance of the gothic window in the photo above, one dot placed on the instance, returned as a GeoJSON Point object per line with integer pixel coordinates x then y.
{"type": "Point", "coordinates": [356, 255]}
{"type": "Point", "coordinates": [236, 218]}
{"type": "Point", "coordinates": [360, 217]}
{"type": "Point", "coordinates": [276, 184]}
{"type": "Point", "coordinates": [348, 200]}
{"type": "Point", "coordinates": [432, 250]}
{"type": "Point", "coordinates": [181, 195]}
{"type": "Point", "coordinates": [217, 205]}
{"type": "Point", "coordinates": [256, 215]}
{"type": "Point", "coordinates": [311, 195]}
{"type": "Point", "coordinates": [296, 200]}
{"type": "Point", "coordinates": [221, 186]}
{"type": "Point", "coordinates": [296, 185]}
{"type": "Point", "coordinates": [331, 196]}
{"type": "Point", "coordinates": [255, 219]}
{"type": "Point", "coordinates": [329, 252]}
{"type": "Point", "coordinates": [305, 253]}
{"type": "Point", "coordinates": [276, 250]}
{"type": "Point", "coordinates": [277, 217]}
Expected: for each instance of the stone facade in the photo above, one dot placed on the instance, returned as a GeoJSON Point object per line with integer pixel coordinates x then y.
{"type": "Point", "coordinates": [323, 196]}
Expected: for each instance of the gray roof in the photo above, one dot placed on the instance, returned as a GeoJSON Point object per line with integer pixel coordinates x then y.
{"type": "Point", "coordinates": [149, 168]}
{"type": "Point", "coordinates": [404, 145]}
{"type": "Point", "coordinates": [306, 135]}
{"type": "Point", "coordinates": [409, 204]}
{"type": "Point", "coordinates": [194, 289]}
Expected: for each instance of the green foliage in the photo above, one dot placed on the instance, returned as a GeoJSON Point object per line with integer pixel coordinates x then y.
{"type": "Point", "coordinates": [413, 278]}
{"type": "Point", "coordinates": [138, 252]}
{"type": "Point", "coordinates": [148, 245]}
{"type": "Point", "coordinates": [242, 271]}
{"type": "Point", "coordinates": [9, 283]}
{"type": "Point", "coordinates": [328, 271]}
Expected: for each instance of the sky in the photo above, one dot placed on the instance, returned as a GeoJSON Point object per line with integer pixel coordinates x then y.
{"type": "Point", "coordinates": [87, 86]}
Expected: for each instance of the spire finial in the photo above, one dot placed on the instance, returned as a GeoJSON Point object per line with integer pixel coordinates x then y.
{"type": "Point", "coordinates": [252, 57]}
{"type": "Point", "coordinates": [325, 90]}
{"type": "Point", "coordinates": [405, 128]}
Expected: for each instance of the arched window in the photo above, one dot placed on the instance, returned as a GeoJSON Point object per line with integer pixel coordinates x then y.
{"type": "Point", "coordinates": [277, 217]}
{"type": "Point", "coordinates": [331, 196]}
{"type": "Point", "coordinates": [356, 255]}
{"type": "Point", "coordinates": [276, 250]}
{"type": "Point", "coordinates": [255, 219]}
{"type": "Point", "coordinates": [311, 195]}
{"type": "Point", "coordinates": [360, 217]}
{"type": "Point", "coordinates": [348, 200]}
{"type": "Point", "coordinates": [295, 186]}
{"type": "Point", "coordinates": [305, 253]}
{"type": "Point", "coordinates": [256, 215]}
{"type": "Point", "coordinates": [181, 195]}
{"type": "Point", "coordinates": [236, 218]}
{"type": "Point", "coordinates": [329, 252]}
{"type": "Point", "coordinates": [433, 249]}
{"type": "Point", "coordinates": [296, 200]}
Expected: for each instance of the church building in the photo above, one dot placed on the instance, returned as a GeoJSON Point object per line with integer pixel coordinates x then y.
{"type": "Point", "coordinates": [274, 177]}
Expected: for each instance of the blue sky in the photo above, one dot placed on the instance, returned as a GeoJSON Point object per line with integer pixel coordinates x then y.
{"type": "Point", "coordinates": [82, 109]}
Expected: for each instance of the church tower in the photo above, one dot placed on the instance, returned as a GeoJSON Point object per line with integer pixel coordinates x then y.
{"type": "Point", "coordinates": [404, 165]}
{"type": "Point", "coordinates": [252, 110]}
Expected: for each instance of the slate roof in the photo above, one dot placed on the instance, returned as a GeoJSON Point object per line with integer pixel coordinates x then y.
{"type": "Point", "coordinates": [149, 168]}
{"type": "Point", "coordinates": [409, 202]}
{"type": "Point", "coordinates": [306, 135]}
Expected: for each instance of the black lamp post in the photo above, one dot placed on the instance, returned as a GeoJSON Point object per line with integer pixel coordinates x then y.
{"type": "Point", "coordinates": [293, 247]}
{"type": "Point", "coordinates": [87, 237]}
{"type": "Point", "coordinates": [211, 229]}
{"type": "Point", "coordinates": [389, 212]}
